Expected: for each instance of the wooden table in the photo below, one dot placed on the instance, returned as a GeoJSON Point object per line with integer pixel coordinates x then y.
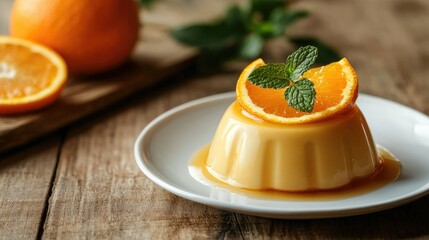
{"type": "Point", "coordinates": [83, 182]}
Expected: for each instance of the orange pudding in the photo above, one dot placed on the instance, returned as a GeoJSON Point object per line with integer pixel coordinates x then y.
{"type": "Point", "coordinates": [249, 153]}
{"type": "Point", "coordinates": [295, 129]}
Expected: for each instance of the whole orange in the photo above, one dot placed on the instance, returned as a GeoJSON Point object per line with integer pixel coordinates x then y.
{"type": "Point", "coordinates": [91, 35]}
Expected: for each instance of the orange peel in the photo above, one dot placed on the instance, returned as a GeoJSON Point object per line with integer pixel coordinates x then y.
{"type": "Point", "coordinates": [31, 75]}
{"type": "Point", "coordinates": [336, 88]}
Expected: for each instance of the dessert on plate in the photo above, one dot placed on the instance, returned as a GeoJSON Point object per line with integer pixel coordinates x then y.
{"type": "Point", "coordinates": [294, 129]}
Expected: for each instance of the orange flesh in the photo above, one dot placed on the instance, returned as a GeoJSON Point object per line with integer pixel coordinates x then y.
{"type": "Point", "coordinates": [328, 81]}
{"type": "Point", "coordinates": [17, 81]}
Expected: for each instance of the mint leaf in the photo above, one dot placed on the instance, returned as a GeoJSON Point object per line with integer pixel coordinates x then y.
{"type": "Point", "coordinates": [236, 19]}
{"type": "Point", "coordinates": [300, 61]}
{"type": "Point", "coordinates": [252, 46]}
{"type": "Point", "coordinates": [205, 36]}
{"type": "Point", "coordinates": [215, 36]}
{"type": "Point", "coordinates": [263, 8]}
{"type": "Point", "coordinates": [281, 18]}
{"type": "Point", "coordinates": [301, 95]}
{"type": "Point", "coordinates": [325, 54]}
{"type": "Point", "coordinates": [270, 76]}
{"type": "Point", "coordinates": [146, 3]}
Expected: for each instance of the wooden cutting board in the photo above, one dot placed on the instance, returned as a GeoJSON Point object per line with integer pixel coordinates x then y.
{"type": "Point", "coordinates": [156, 57]}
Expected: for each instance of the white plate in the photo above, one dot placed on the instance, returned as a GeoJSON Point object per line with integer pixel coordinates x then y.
{"type": "Point", "coordinates": [165, 146]}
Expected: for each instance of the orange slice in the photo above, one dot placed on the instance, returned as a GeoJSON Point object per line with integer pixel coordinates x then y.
{"type": "Point", "coordinates": [336, 88]}
{"type": "Point", "coordinates": [31, 76]}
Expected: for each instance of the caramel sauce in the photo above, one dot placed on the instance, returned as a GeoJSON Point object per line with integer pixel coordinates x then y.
{"type": "Point", "coordinates": [388, 172]}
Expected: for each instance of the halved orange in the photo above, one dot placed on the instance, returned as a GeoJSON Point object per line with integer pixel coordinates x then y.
{"type": "Point", "coordinates": [31, 75]}
{"type": "Point", "coordinates": [336, 88]}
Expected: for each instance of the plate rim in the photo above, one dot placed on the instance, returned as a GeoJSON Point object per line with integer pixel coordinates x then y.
{"type": "Point", "coordinates": [146, 167]}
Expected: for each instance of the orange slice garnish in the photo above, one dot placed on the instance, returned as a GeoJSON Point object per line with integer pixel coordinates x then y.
{"type": "Point", "coordinates": [336, 88]}
{"type": "Point", "coordinates": [31, 76]}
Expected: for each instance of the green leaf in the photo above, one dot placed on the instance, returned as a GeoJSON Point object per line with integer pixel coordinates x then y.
{"type": "Point", "coordinates": [236, 18]}
{"type": "Point", "coordinates": [300, 61]}
{"type": "Point", "coordinates": [205, 35]}
{"type": "Point", "coordinates": [270, 76]}
{"type": "Point", "coordinates": [146, 3]}
{"type": "Point", "coordinates": [281, 18]}
{"type": "Point", "coordinates": [265, 7]}
{"type": "Point", "coordinates": [251, 47]}
{"type": "Point", "coordinates": [325, 53]}
{"type": "Point", "coordinates": [264, 29]}
{"type": "Point", "coordinates": [221, 34]}
{"type": "Point", "coordinates": [301, 95]}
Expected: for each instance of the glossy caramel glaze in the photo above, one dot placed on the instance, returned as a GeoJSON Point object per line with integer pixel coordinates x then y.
{"type": "Point", "coordinates": [388, 172]}
{"type": "Point", "coordinates": [249, 153]}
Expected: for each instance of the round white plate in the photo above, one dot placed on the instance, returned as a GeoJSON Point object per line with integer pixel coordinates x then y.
{"type": "Point", "coordinates": [166, 145]}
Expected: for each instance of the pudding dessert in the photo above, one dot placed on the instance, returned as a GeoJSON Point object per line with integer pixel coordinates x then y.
{"type": "Point", "coordinates": [295, 129]}
{"type": "Point", "coordinates": [251, 154]}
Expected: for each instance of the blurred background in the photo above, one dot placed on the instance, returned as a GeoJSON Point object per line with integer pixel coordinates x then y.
{"type": "Point", "coordinates": [5, 6]}
{"type": "Point", "coordinates": [82, 181]}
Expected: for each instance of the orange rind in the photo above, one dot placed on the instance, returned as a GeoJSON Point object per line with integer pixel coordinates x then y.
{"type": "Point", "coordinates": [336, 88]}
{"type": "Point", "coordinates": [31, 76]}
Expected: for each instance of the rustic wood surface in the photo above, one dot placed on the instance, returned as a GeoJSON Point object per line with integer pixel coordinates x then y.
{"type": "Point", "coordinates": [82, 181]}
{"type": "Point", "coordinates": [156, 57]}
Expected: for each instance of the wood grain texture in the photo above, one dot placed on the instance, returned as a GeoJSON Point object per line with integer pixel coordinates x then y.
{"type": "Point", "coordinates": [25, 181]}
{"type": "Point", "coordinates": [155, 57]}
{"type": "Point", "coordinates": [99, 192]}
{"type": "Point", "coordinates": [92, 196]}
{"type": "Point", "coordinates": [82, 96]}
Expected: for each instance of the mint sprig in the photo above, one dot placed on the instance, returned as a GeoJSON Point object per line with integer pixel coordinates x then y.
{"type": "Point", "coordinates": [270, 76]}
{"type": "Point", "coordinates": [300, 61]}
{"type": "Point", "coordinates": [243, 31]}
{"type": "Point", "coordinates": [299, 93]}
